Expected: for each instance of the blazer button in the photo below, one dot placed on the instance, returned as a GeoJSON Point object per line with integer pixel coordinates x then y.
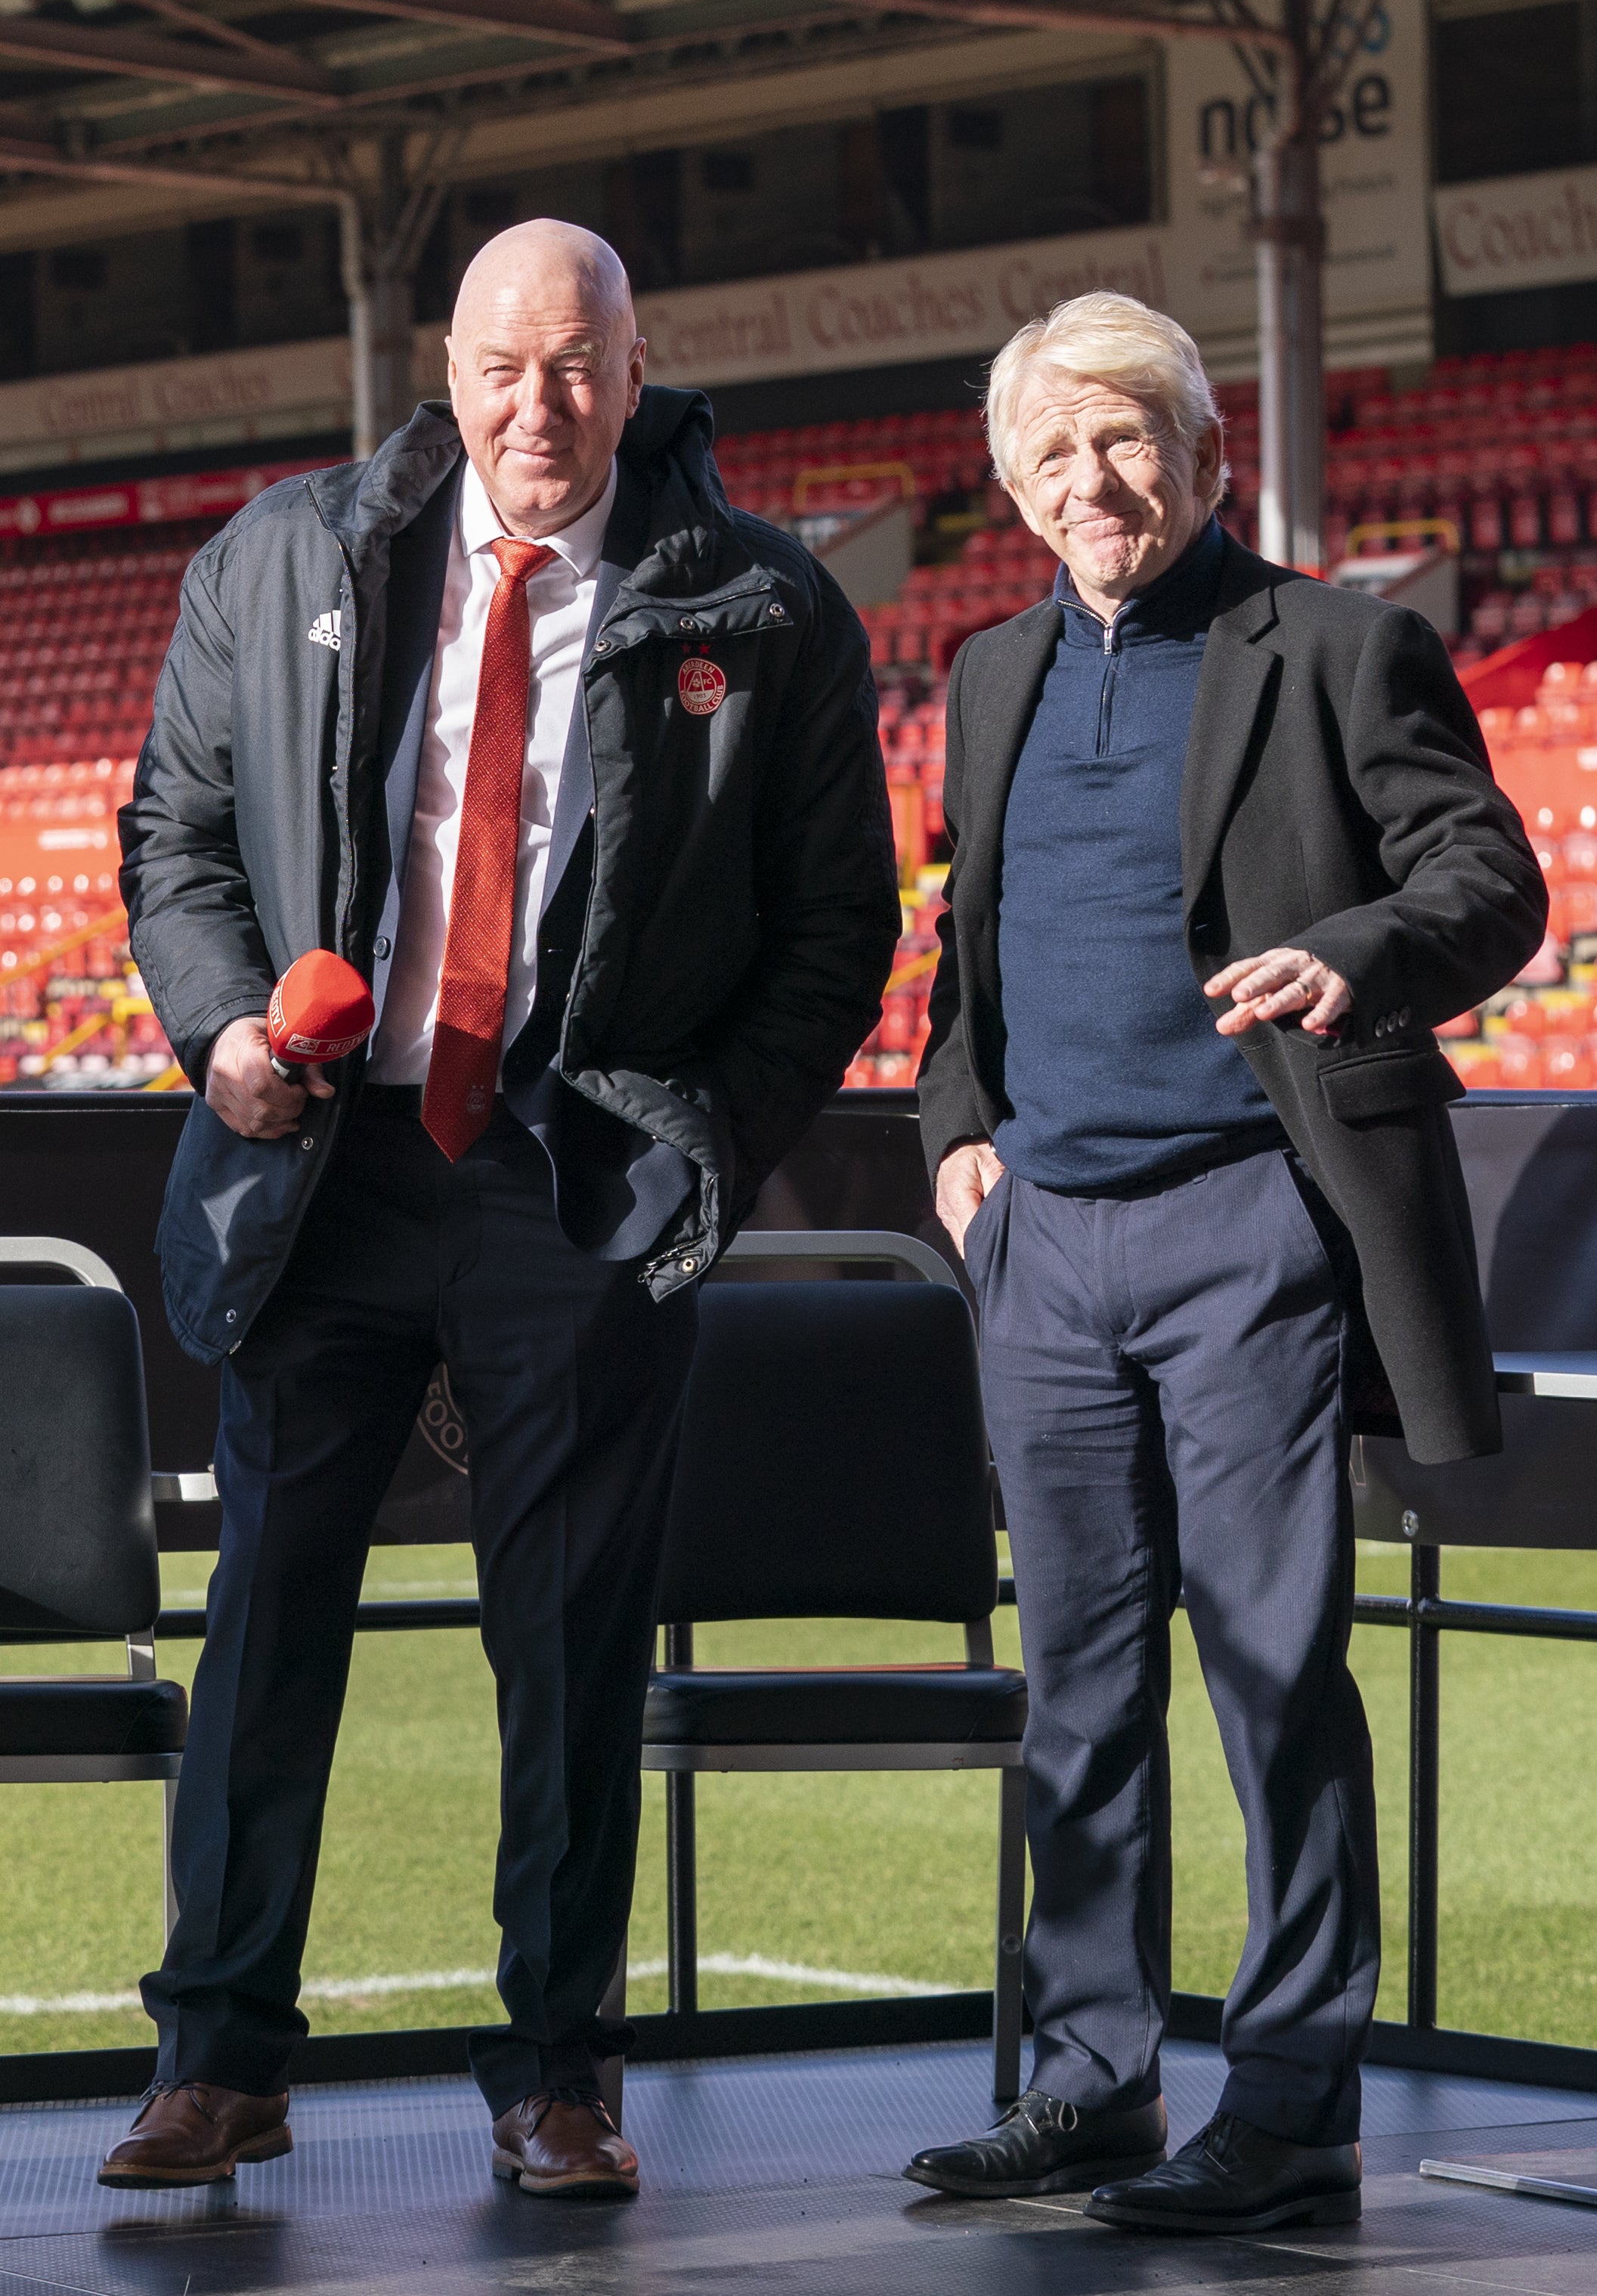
{"type": "Point", "coordinates": [1405, 1016]}
{"type": "Point", "coordinates": [382, 948]}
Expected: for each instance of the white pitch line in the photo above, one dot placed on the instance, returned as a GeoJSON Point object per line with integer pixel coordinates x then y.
{"type": "Point", "coordinates": [451, 1980]}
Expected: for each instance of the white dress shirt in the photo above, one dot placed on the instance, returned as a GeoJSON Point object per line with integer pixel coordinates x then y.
{"type": "Point", "coordinates": [559, 601]}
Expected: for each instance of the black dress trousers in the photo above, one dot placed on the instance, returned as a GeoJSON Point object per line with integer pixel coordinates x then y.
{"type": "Point", "coordinates": [1163, 1375]}
{"type": "Point", "coordinates": [570, 1378]}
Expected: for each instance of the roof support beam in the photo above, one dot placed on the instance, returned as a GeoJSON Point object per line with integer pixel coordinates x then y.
{"type": "Point", "coordinates": [578, 23]}
{"type": "Point", "coordinates": [39, 157]}
{"type": "Point", "coordinates": [72, 47]}
{"type": "Point", "coordinates": [1042, 16]}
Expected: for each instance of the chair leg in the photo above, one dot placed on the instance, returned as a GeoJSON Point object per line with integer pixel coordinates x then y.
{"type": "Point", "coordinates": [612, 2072]}
{"type": "Point", "coordinates": [168, 1795]}
{"type": "Point", "coordinates": [1008, 2000]}
{"type": "Point", "coordinates": [682, 1894]}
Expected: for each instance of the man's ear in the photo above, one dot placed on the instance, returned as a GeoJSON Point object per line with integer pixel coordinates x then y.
{"type": "Point", "coordinates": [454, 369]}
{"type": "Point", "coordinates": [1210, 454]}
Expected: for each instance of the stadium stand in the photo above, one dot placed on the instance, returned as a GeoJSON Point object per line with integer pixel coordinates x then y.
{"type": "Point", "coordinates": [1495, 454]}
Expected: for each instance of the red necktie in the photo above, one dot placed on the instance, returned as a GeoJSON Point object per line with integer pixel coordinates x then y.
{"type": "Point", "coordinates": [465, 1066]}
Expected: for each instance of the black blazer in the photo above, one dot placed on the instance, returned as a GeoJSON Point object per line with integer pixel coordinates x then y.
{"type": "Point", "coordinates": [1336, 798]}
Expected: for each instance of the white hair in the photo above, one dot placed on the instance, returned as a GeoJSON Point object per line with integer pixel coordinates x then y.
{"type": "Point", "coordinates": [1104, 338]}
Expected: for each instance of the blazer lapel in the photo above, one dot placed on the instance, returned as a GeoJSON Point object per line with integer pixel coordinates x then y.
{"type": "Point", "coordinates": [626, 538]}
{"type": "Point", "coordinates": [997, 711]}
{"type": "Point", "coordinates": [418, 563]}
{"type": "Point", "coordinates": [1231, 687]}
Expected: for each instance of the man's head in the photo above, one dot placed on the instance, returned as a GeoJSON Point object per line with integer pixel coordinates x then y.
{"type": "Point", "coordinates": [545, 364]}
{"type": "Point", "coordinates": [1104, 431]}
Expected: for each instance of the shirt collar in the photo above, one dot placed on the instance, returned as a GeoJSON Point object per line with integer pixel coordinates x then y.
{"type": "Point", "coordinates": [1182, 599]}
{"type": "Point", "coordinates": [579, 544]}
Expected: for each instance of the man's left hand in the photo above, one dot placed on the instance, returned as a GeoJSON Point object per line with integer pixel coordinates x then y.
{"type": "Point", "coordinates": [1275, 987]}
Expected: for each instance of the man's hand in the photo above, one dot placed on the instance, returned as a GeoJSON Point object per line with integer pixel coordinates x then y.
{"type": "Point", "coordinates": [245, 1089]}
{"type": "Point", "coordinates": [1281, 982]}
{"type": "Point", "coordinates": [964, 1177]}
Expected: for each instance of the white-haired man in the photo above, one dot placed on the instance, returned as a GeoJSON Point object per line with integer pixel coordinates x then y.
{"type": "Point", "coordinates": [1226, 848]}
{"type": "Point", "coordinates": [587, 780]}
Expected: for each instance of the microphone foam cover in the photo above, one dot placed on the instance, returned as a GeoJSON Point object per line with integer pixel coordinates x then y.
{"type": "Point", "coordinates": [320, 1010]}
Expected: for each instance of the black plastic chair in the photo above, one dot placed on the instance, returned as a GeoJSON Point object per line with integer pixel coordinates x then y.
{"type": "Point", "coordinates": [834, 1463]}
{"type": "Point", "coordinates": [77, 1549]}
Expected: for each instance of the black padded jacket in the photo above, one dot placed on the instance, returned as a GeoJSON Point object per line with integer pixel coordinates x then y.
{"type": "Point", "coordinates": [742, 909]}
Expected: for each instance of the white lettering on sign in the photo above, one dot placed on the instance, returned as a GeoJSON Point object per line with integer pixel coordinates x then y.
{"type": "Point", "coordinates": [887, 314]}
{"type": "Point", "coordinates": [1520, 231]}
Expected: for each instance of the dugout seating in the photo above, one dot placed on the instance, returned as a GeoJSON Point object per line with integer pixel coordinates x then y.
{"type": "Point", "coordinates": [790, 1504]}
{"type": "Point", "coordinates": [77, 1547]}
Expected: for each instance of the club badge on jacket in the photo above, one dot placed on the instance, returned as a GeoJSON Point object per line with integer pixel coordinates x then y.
{"type": "Point", "coordinates": [700, 685]}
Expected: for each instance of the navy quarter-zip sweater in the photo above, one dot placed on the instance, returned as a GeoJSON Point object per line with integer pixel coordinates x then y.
{"type": "Point", "coordinates": [1113, 1067]}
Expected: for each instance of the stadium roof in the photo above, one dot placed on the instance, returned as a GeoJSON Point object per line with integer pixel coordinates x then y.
{"type": "Point", "coordinates": [292, 97]}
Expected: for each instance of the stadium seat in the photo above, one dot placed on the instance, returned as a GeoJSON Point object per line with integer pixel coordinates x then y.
{"type": "Point", "coordinates": [78, 1551]}
{"type": "Point", "coordinates": [798, 1496]}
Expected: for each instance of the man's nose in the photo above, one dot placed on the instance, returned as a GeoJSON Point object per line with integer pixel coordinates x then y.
{"type": "Point", "coordinates": [1091, 475]}
{"type": "Point", "coordinates": [539, 406]}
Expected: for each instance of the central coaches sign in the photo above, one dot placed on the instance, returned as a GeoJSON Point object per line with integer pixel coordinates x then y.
{"type": "Point", "coordinates": [878, 314]}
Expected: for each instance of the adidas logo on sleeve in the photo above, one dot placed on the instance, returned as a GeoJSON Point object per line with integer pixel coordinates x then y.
{"type": "Point", "coordinates": [325, 631]}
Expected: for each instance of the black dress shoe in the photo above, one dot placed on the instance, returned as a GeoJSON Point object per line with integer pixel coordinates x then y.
{"type": "Point", "coordinates": [1234, 2178]}
{"type": "Point", "coordinates": [1041, 2145]}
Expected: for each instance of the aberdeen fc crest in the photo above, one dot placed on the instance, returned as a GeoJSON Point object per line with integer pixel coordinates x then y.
{"type": "Point", "coordinates": [702, 686]}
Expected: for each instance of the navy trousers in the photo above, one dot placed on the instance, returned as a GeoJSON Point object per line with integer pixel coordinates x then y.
{"type": "Point", "coordinates": [1163, 1380]}
{"type": "Point", "coordinates": [569, 1379]}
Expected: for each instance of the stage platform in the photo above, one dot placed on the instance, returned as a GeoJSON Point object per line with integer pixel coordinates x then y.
{"type": "Point", "coordinates": [773, 2174]}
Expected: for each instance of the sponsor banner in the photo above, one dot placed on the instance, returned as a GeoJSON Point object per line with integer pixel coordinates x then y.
{"type": "Point", "coordinates": [1372, 172]}
{"type": "Point", "coordinates": [144, 501]}
{"type": "Point", "coordinates": [170, 395]}
{"type": "Point", "coordinates": [889, 313]}
{"type": "Point", "coordinates": [1520, 231]}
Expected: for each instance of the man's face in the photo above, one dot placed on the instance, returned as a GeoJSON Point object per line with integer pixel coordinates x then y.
{"type": "Point", "coordinates": [1107, 484]}
{"type": "Point", "coordinates": [541, 387]}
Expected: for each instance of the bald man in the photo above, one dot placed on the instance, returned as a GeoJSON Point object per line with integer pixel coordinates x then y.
{"type": "Point", "coordinates": [579, 766]}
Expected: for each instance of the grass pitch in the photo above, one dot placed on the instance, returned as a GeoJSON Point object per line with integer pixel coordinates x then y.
{"type": "Point", "coordinates": [834, 1885]}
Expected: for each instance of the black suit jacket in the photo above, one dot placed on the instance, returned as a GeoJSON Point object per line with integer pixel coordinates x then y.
{"type": "Point", "coordinates": [1336, 797]}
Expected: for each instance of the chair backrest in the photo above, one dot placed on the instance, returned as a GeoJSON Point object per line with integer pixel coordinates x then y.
{"type": "Point", "coordinates": [834, 1460]}
{"type": "Point", "coordinates": [78, 1546]}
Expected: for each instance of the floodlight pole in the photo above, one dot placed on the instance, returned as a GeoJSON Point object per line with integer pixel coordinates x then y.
{"type": "Point", "coordinates": [1289, 232]}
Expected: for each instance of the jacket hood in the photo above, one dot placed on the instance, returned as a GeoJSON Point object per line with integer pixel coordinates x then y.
{"type": "Point", "coordinates": [666, 443]}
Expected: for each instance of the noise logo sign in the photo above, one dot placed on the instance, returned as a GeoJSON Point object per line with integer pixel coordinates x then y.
{"type": "Point", "coordinates": [701, 686]}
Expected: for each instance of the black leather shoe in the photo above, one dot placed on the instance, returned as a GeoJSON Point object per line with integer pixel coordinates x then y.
{"type": "Point", "coordinates": [1234, 2178]}
{"type": "Point", "coordinates": [1041, 2145]}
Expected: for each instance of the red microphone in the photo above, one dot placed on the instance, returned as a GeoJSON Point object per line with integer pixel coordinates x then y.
{"type": "Point", "coordinates": [320, 1010]}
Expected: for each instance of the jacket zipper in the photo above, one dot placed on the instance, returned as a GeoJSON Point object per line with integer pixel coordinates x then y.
{"type": "Point", "coordinates": [348, 644]}
{"type": "Point", "coordinates": [1106, 691]}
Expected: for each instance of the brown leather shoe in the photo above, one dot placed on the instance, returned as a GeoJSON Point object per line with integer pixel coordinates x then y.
{"type": "Point", "coordinates": [194, 2133]}
{"type": "Point", "coordinates": [561, 2143]}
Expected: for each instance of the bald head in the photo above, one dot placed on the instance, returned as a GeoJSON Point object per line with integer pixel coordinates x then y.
{"type": "Point", "coordinates": [543, 256]}
{"type": "Point", "coordinates": [546, 365]}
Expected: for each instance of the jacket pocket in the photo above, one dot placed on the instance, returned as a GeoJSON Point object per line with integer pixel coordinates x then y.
{"type": "Point", "coordinates": [1380, 1083]}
